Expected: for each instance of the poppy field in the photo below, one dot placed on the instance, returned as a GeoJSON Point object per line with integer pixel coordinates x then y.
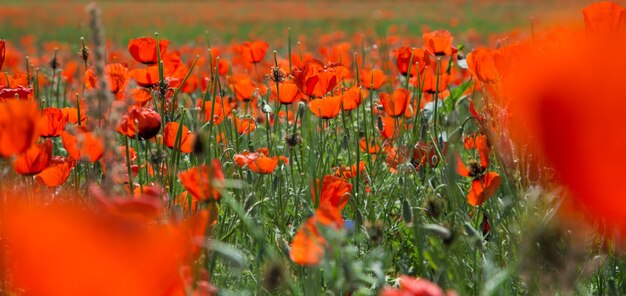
{"type": "Point", "coordinates": [285, 148]}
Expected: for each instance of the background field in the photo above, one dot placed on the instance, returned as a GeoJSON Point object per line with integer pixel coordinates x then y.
{"type": "Point", "coordinates": [226, 20]}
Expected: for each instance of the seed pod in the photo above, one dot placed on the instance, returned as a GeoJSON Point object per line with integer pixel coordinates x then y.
{"type": "Point", "coordinates": [407, 212]}
{"type": "Point", "coordinates": [301, 108]}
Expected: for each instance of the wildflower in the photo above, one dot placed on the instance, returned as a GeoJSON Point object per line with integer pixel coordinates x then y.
{"type": "Point", "coordinates": [19, 121]}
{"type": "Point", "coordinates": [334, 190]}
{"type": "Point", "coordinates": [395, 104]}
{"type": "Point", "coordinates": [352, 98]}
{"type": "Point", "coordinates": [246, 126]}
{"type": "Point", "coordinates": [372, 79]}
{"type": "Point", "coordinates": [143, 121]}
{"type": "Point", "coordinates": [484, 184]}
{"type": "Point", "coordinates": [253, 51]}
{"type": "Point", "coordinates": [421, 59]}
{"type": "Point", "coordinates": [52, 122]}
{"type": "Point", "coordinates": [34, 160]}
{"type": "Point", "coordinates": [485, 64]}
{"type": "Point", "coordinates": [410, 286]}
{"type": "Point", "coordinates": [326, 108]}
{"type": "Point", "coordinates": [438, 42]}
{"type": "Point", "coordinates": [307, 247]}
{"type": "Point", "coordinates": [203, 182]}
{"type": "Point", "coordinates": [18, 91]}
{"type": "Point", "coordinates": [56, 173]}
{"type": "Point", "coordinates": [144, 49]}
{"type": "Point", "coordinates": [81, 144]}
{"type": "Point", "coordinates": [315, 79]}
{"type": "Point", "coordinates": [287, 92]}
{"type": "Point", "coordinates": [186, 139]}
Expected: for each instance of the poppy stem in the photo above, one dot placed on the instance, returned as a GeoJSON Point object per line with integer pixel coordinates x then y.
{"type": "Point", "coordinates": [128, 167]}
{"type": "Point", "coordinates": [436, 98]}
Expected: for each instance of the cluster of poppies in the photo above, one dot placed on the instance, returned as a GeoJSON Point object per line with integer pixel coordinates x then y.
{"type": "Point", "coordinates": [180, 128]}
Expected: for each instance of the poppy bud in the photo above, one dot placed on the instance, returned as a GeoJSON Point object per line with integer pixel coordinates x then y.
{"type": "Point", "coordinates": [301, 107]}
{"type": "Point", "coordinates": [407, 212]}
{"type": "Point", "coordinates": [265, 107]}
{"type": "Point", "coordinates": [380, 125]}
{"type": "Point", "coordinates": [198, 146]}
{"type": "Point", "coordinates": [275, 184]}
{"type": "Point", "coordinates": [455, 136]}
{"type": "Point", "coordinates": [346, 141]}
{"type": "Point", "coordinates": [54, 62]}
{"type": "Point", "coordinates": [474, 234]}
{"type": "Point", "coordinates": [438, 230]}
{"type": "Point", "coordinates": [84, 51]}
{"type": "Point", "coordinates": [248, 177]}
{"type": "Point", "coordinates": [143, 121]}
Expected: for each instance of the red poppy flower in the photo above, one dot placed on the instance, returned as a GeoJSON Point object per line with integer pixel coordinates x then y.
{"type": "Point", "coordinates": [72, 115]}
{"type": "Point", "coordinates": [52, 122]}
{"type": "Point", "coordinates": [141, 96]}
{"type": "Point", "coordinates": [117, 75]}
{"type": "Point", "coordinates": [372, 79]}
{"type": "Point", "coordinates": [425, 154]}
{"type": "Point", "coordinates": [82, 144]}
{"type": "Point", "coordinates": [246, 125]}
{"type": "Point", "coordinates": [144, 50]}
{"type": "Point", "coordinates": [203, 182]}
{"type": "Point", "coordinates": [334, 190]}
{"type": "Point", "coordinates": [186, 139]}
{"type": "Point", "coordinates": [394, 156]}
{"type": "Point", "coordinates": [389, 127]}
{"type": "Point", "coordinates": [244, 158]}
{"type": "Point", "coordinates": [410, 286]}
{"type": "Point", "coordinates": [253, 51]}
{"type": "Point", "coordinates": [146, 77]}
{"type": "Point", "coordinates": [430, 79]}
{"type": "Point", "coordinates": [97, 252]}
{"type": "Point", "coordinates": [485, 64]}
{"type": "Point", "coordinates": [483, 188]}
{"type": "Point", "coordinates": [287, 92]}
{"type": "Point", "coordinates": [352, 98]}
{"type": "Point", "coordinates": [315, 79]}
{"type": "Point", "coordinates": [244, 87]}
{"type": "Point", "coordinates": [326, 108]}
{"type": "Point", "coordinates": [18, 126]}
{"type": "Point", "coordinates": [220, 111]}
{"type": "Point", "coordinates": [34, 160]}
{"type": "Point", "coordinates": [484, 184]}
{"type": "Point", "coordinates": [438, 42]}
{"type": "Point", "coordinates": [395, 104]}
{"type": "Point", "coordinates": [19, 92]}
{"type": "Point", "coordinates": [350, 172]}
{"type": "Point", "coordinates": [263, 164]}
{"type": "Point", "coordinates": [605, 18]}
{"type": "Point", "coordinates": [372, 148]}
{"type": "Point", "coordinates": [421, 59]}
{"type": "Point", "coordinates": [258, 161]}
{"type": "Point", "coordinates": [308, 245]}
{"type": "Point", "coordinates": [56, 173]}
{"type": "Point", "coordinates": [140, 120]}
